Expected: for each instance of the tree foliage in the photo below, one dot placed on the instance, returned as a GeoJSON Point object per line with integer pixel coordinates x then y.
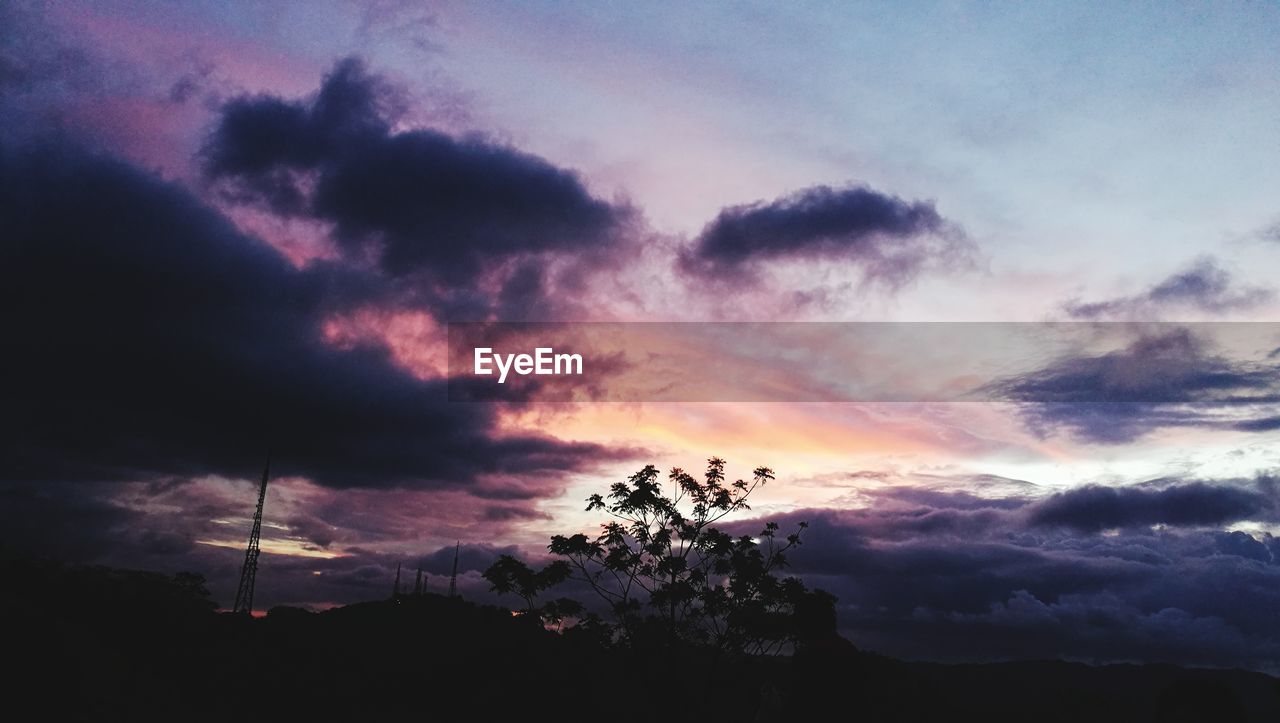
{"type": "Point", "coordinates": [509, 575]}
{"type": "Point", "coordinates": [663, 573]}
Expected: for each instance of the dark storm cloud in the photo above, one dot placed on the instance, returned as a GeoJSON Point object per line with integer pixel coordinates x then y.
{"type": "Point", "coordinates": [61, 522]}
{"type": "Point", "coordinates": [1166, 379]}
{"type": "Point", "coordinates": [1242, 544]}
{"type": "Point", "coordinates": [1187, 592]}
{"type": "Point", "coordinates": [1203, 286]}
{"type": "Point", "coordinates": [447, 210]}
{"type": "Point", "coordinates": [1093, 508]}
{"type": "Point", "coordinates": [888, 238]}
{"type": "Point", "coordinates": [154, 339]}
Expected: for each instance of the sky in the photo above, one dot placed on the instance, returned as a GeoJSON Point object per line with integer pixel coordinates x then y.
{"type": "Point", "coordinates": [231, 227]}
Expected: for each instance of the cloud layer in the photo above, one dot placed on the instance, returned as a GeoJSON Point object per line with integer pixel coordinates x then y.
{"type": "Point", "coordinates": [1034, 577]}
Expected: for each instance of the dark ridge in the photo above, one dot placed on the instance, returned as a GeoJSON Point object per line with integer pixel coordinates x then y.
{"type": "Point", "coordinates": [104, 644]}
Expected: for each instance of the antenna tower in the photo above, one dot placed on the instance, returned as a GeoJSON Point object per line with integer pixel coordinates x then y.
{"type": "Point", "coordinates": [249, 573]}
{"type": "Point", "coordinates": [453, 579]}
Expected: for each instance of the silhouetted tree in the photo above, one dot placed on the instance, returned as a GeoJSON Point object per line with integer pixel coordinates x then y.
{"type": "Point", "coordinates": [665, 574]}
{"type": "Point", "coordinates": [509, 575]}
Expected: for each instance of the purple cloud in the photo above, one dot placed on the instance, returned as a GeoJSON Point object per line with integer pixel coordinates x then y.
{"type": "Point", "coordinates": [1202, 286]}
{"type": "Point", "coordinates": [1168, 379]}
{"type": "Point", "coordinates": [160, 341]}
{"type": "Point", "coordinates": [889, 239]}
{"type": "Point", "coordinates": [445, 211]}
{"type": "Point", "coordinates": [1188, 592]}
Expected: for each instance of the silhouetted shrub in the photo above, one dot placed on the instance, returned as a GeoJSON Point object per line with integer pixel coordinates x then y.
{"type": "Point", "coordinates": [663, 574]}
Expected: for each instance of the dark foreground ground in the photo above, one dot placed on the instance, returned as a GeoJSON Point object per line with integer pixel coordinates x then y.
{"type": "Point", "coordinates": [98, 644]}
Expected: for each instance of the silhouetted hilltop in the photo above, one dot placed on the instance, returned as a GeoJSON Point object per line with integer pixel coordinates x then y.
{"type": "Point", "coordinates": [92, 643]}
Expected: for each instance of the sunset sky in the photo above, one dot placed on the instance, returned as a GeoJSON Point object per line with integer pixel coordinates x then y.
{"type": "Point", "coordinates": [232, 227]}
